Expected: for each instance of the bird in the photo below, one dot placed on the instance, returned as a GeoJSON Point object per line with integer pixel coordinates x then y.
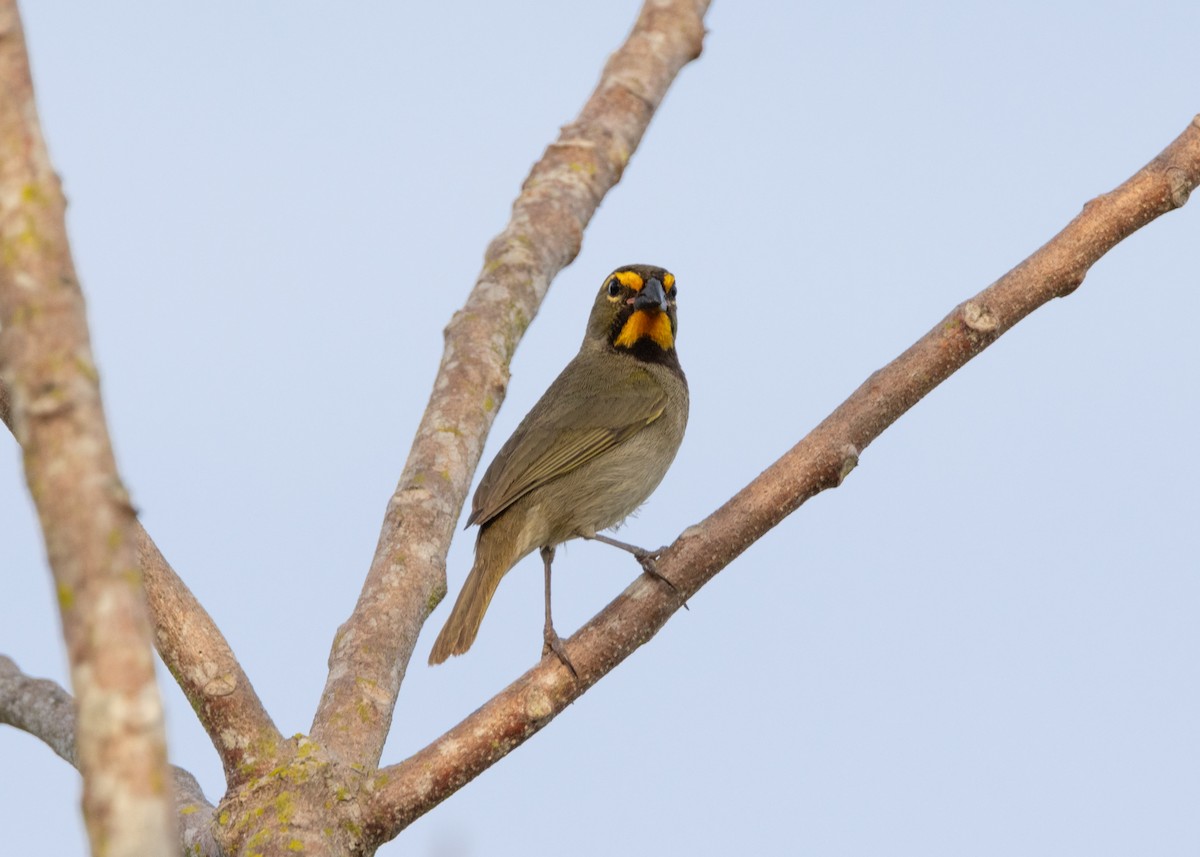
{"type": "Point", "coordinates": [587, 455]}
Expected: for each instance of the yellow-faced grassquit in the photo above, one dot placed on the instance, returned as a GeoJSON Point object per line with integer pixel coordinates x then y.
{"type": "Point", "coordinates": [590, 452]}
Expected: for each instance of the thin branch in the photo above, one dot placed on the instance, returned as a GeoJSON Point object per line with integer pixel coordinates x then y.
{"type": "Point", "coordinates": [203, 664]}
{"type": "Point", "coordinates": [38, 706]}
{"type": "Point", "coordinates": [199, 657]}
{"type": "Point", "coordinates": [85, 513]}
{"type": "Point", "coordinates": [407, 577]}
{"type": "Point", "coordinates": [195, 816]}
{"type": "Point", "coordinates": [46, 711]}
{"type": "Point", "coordinates": [821, 460]}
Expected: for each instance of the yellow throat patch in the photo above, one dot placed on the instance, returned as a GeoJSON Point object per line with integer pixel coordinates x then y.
{"type": "Point", "coordinates": [644, 324]}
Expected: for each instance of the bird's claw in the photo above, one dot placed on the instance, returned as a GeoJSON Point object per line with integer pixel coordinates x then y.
{"type": "Point", "coordinates": [648, 560]}
{"type": "Point", "coordinates": [551, 642]}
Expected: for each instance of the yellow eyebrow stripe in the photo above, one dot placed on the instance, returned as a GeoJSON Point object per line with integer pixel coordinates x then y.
{"type": "Point", "coordinates": [633, 280]}
{"type": "Point", "coordinates": [630, 279]}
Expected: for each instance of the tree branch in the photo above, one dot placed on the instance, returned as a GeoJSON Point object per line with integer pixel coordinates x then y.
{"type": "Point", "coordinates": [85, 513]}
{"type": "Point", "coordinates": [203, 664]}
{"type": "Point", "coordinates": [199, 657]}
{"type": "Point", "coordinates": [407, 577]}
{"type": "Point", "coordinates": [46, 711]}
{"type": "Point", "coordinates": [5, 406]}
{"type": "Point", "coordinates": [821, 460]}
{"type": "Point", "coordinates": [195, 817]}
{"type": "Point", "coordinates": [38, 706]}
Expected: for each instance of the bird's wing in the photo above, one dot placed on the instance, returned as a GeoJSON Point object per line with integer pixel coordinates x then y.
{"type": "Point", "coordinates": [555, 438]}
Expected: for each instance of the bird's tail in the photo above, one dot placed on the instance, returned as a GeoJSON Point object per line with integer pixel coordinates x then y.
{"type": "Point", "coordinates": [492, 560]}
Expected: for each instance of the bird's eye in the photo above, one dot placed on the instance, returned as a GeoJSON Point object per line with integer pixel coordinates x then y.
{"type": "Point", "coordinates": [614, 288]}
{"type": "Point", "coordinates": [671, 293]}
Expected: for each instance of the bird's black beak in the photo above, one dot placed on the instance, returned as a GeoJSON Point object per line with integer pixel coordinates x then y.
{"type": "Point", "coordinates": [652, 296]}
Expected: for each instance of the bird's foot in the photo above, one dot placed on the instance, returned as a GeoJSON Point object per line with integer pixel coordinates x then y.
{"type": "Point", "coordinates": [648, 560]}
{"type": "Point", "coordinates": [551, 642]}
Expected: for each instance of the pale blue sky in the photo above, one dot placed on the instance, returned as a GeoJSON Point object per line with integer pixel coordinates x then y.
{"type": "Point", "coordinates": [983, 643]}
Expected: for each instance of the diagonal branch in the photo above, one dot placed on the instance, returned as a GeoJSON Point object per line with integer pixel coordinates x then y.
{"type": "Point", "coordinates": [407, 577]}
{"type": "Point", "coordinates": [203, 664]}
{"type": "Point", "coordinates": [43, 709]}
{"type": "Point", "coordinates": [199, 657]}
{"type": "Point", "coordinates": [821, 460]}
{"type": "Point", "coordinates": [38, 706]}
{"type": "Point", "coordinates": [84, 511]}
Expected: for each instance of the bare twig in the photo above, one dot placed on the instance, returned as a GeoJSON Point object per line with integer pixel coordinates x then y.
{"type": "Point", "coordinates": [195, 816]}
{"type": "Point", "coordinates": [85, 514]}
{"type": "Point", "coordinates": [407, 577]}
{"type": "Point", "coordinates": [38, 706]}
{"type": "Point", "coordinates": [46, 711]}
{"type": "Point", "coordinates": [200, 659]}
{"type": "Point", "coordinates": [820, 461]}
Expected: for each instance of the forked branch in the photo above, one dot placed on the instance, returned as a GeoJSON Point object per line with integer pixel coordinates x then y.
{"type": "Point", "coordinates": [43, 709]}
{"type": "Point", "coordinates": [821, 460]}
{"type": "Point", "coordinates": [199, 657]}
{"type": "Point", "coordinates": [85, 514]}
{"type": "Point", "coordinates": [407, 577]}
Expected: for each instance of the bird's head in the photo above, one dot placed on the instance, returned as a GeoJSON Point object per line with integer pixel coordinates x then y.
{"type": "Point", "coordinates": [635, 312]}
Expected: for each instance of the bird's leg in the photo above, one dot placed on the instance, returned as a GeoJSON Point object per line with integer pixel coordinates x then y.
{"type": "Point", "coordinates": [550, 639]}
{"type": "Point", "coordinates": [646, 559]}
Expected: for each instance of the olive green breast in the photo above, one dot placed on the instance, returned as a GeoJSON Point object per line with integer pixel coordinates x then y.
{"type": "Point", "coordinates": [590, 451]}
